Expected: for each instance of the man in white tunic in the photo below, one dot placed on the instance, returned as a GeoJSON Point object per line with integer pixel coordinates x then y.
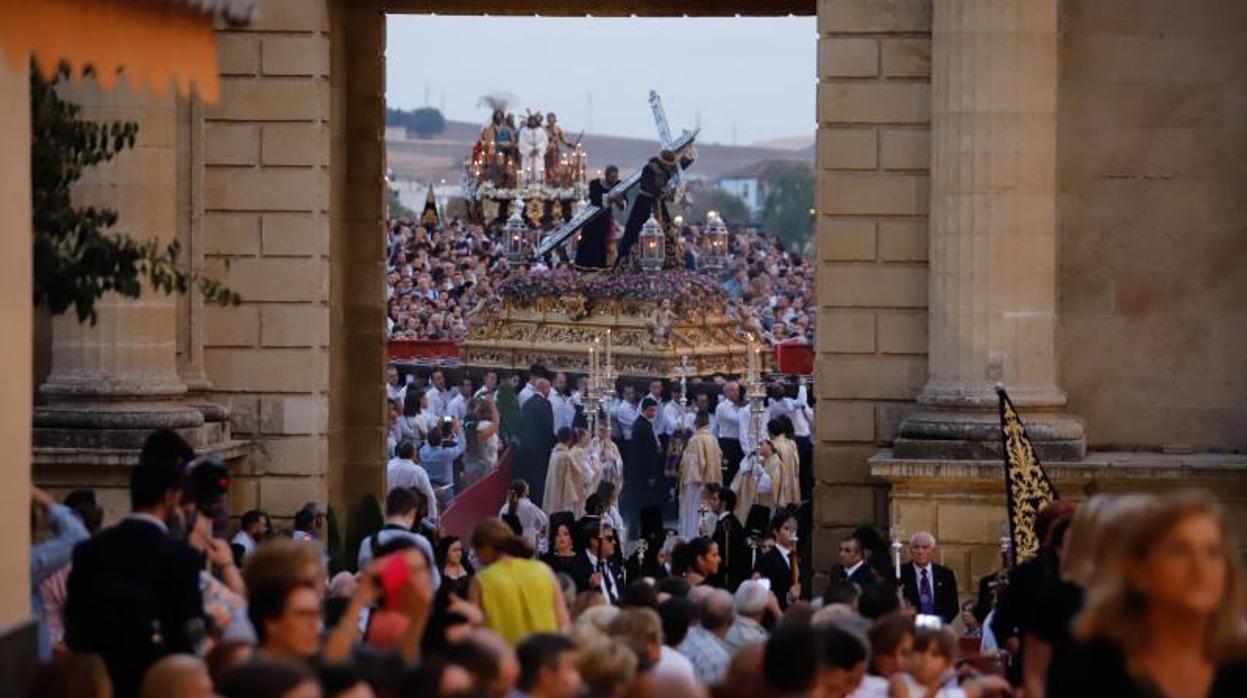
{"type": "Point", "coordinates": [533, 143]}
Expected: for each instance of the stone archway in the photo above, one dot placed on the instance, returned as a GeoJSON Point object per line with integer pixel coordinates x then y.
{"type": "Point", "coordinates": [303, 109]}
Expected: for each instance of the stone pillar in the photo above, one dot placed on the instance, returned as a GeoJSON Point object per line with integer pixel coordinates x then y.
{"type": "Point", "coordinates": [190, 162]}
{"type": "Point", "coordinates": [992, 279]}
{"type": "Point", "coordinates": [111, 383]}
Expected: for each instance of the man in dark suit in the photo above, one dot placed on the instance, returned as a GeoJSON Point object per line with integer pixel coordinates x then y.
{"type": "Point", "coordinates": [644, 471]}
{"type": "Point", "coordinates": [606, 575]}
{"type": "Point", "coordinates": [777, 563]}
{"type": "Point", "coordinates": [133, 592]}
{"type": "Point", "coordinates": [536, 440]}
{"type": "Point", "coordinates": [729, 534]}
{"type": "Point", "coordinates": [929, 587]}
{"type": "Point", "coordinates": [853, 567]}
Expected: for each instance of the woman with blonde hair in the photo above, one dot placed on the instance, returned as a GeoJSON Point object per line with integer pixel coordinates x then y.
{"type": "Point", "coordinates": [518, 595]}
{"type": "Point", "coordinates": [1083, 543]}
{"type": "Point", "coordinates": [1165, 616]}
{"type": "Point", "coordinates": [608, 667]}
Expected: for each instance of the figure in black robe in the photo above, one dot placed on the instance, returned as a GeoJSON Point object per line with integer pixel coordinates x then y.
{"type": "Point", "coordinates": [737, 562]}
{"type": "Point", "coordinates": [595, 236]}
{"type": "Point", "coordinates": [650, 199]}
{"type": "Point", "coordinates": [536, 442]}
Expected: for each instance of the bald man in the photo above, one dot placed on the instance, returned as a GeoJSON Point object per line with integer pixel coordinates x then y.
{"type": "Point", "coordinates": [536, 440]}
{"type": "Point", "coordinates": [929, 587]}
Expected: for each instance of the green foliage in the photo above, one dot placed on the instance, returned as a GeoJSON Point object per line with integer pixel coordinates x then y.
{"type": "Point", "coordinates": [396, 207]}
{"type": "Point", "coordinates": [729, 207]}
{"type": "Point", "coordinates": [364, 519]}
{"type": "Point", "coordinates": [508, 413]}
{"type": "Point", "coordinates": [425, 122]}
{"type": "Point", "coordinates": [77, 258]}
{"type": "Point", "coordinates": [790, 187]}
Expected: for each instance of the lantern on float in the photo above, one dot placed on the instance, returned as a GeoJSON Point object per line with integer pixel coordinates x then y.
{"type": "Point", "coordinates": [715, 259]}
{"type": "Point", "coordinates": [653, 247]}
{"type": "Point", "coordinates": [516, 235]}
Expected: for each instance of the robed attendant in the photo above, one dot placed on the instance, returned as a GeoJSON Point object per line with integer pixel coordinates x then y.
{"type": "Point", "coordinates": [700, 465]}
{"type": "Point", "coordinates": [787, 477]}
{"type": "Point", "coordinates": [595, 236]}
{"type": "Point", "coordinates": [565, 482]}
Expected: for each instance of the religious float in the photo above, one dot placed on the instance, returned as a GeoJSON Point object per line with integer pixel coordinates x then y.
{"type": "Point", "coordinates": [643, 316]}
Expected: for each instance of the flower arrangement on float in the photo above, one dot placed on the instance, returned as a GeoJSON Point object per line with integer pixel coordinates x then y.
{"type": "Point", "coordinates": [687, 290]}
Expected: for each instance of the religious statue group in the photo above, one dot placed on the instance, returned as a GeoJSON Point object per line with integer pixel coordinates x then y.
{"type": "Point", "coordinates": [533, 152]}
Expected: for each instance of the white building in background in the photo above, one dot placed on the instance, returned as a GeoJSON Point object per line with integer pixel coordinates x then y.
{"type": "Point", "coordinates": [748, 185]}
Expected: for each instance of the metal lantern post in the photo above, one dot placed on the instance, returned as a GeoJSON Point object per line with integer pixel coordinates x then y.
{"type": "Point", "coordinates": [516, 232]}
{"type": "Point", "coordinates": [653, 247]}
{"type": "Point", "coordinates": [716, 244]}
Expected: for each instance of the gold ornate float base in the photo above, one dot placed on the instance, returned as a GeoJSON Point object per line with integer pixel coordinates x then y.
{"type": "Point", "coordinates": [557, 333]}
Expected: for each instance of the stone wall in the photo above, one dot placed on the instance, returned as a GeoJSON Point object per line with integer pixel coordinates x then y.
{"type": "Point", "coordinates": [874, 106]}
{"type": "Point", "coordinates": [1152, 341]}
{"type": "Point", "coordinates": [961, 502]}
{"type": "Point", "coordinates": [266, 226]}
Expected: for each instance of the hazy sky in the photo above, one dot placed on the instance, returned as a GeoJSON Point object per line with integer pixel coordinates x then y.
{"type": "Point", "coordinates": [752, 75]}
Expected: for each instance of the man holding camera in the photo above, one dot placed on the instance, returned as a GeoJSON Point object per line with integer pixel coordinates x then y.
{"type": "Point", "coordinates": [438, 454]}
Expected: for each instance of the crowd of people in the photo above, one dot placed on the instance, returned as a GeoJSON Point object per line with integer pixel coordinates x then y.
{"type": "Point", "coordinates": [439, 277]}
{"type": "Point", "coordinates": [1130, 595]}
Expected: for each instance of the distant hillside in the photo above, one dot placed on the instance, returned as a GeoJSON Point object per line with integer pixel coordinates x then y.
{"type": "Point", "coordinates": [441, 157]}
{"type": "Point", "coordinates": [802, 142]}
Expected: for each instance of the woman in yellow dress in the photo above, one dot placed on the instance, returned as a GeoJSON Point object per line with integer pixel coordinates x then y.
{"type": "Point", "coordinates": [518, 595]}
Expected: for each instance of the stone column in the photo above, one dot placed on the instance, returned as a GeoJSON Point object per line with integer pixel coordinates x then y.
{"type": "Point", "coordinates": [190, 161]}
{"type": "Point", "coordinates": [111, 383]}
{"type": "Point", "coordinates": [992, 277]}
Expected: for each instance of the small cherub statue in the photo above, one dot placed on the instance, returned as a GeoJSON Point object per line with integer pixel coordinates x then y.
{"type": "Point", "coordinates": [661, 320]}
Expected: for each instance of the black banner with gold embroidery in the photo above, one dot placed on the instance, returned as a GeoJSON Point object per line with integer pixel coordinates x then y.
{"type": "Point", "coordinates": [1027, 487]}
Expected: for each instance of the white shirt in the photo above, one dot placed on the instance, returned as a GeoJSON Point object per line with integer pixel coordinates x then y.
{"type": "Point", "coordinates": [533, 141]}
{"type": "Point", "coordinates": [625, 415]}
{"type": "Point", "coordinates": [675, 665]}
{"type": "Point", "coordinates": [660, 422]}
{"type": "Point", "coordinates": [673, 417]}
{"type": "Point", "coordinates": [728, 416]}
{"type": "Point", "coordinates": [526, 392]}
{"type": "Point", "coordinates": [871, 687]}
{"type": "Point", "coordinates": [532, 519]}
{"type": "Point", "coordinates": [849, 572]}
{"type": "Point", "coordinates": [564, 410]}
{"type": "Point", "coordinates": [395, 393]}
{"type": "Point", "coordinates": [402, 472]}
{"type": "Point", "coordinates": [437, 401]}
{"type": "Point", "coordinates": [457, 407]}
{"type": "Point", "coordinates": [244, 540]}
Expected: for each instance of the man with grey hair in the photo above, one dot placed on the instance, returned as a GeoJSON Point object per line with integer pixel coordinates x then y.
{"type": "Point", "coordinates": [929, 587]}
{"type": "Point", "coordinates": [704, 646]}
{"type": "Point", "coordinates": [753, 601]}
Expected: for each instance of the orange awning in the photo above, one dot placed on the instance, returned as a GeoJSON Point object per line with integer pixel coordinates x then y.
{"type": "Point", "coordinates": [153, 43]}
